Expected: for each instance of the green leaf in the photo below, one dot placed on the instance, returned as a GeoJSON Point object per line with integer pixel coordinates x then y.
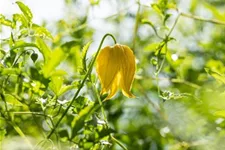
{"type": "Point", "coordinates": [56, 84]}
{"type": "Point", "coordinates": [57, 56]}
{"type": "Point", "coordinates": [219, 15]}
{"type": "Point", "coordinates": [26, 11]}
{"type": "Point", "coordinates": [66, 88]}
{"type": "Point", "coordinates": [78, 121]}
{"type": "Point", "coordinates": [145, 21]}
{"type": "Point", "coordinates": [21, 18]}
{"type": "Point", "coordinates": [156, 8]}
{"type": "Point", "coordinates": [151, 47]}
{"type": "Point", "coordinates": [40, 31]}
{"type": "Point", "coordinates": [5, 21]}
{"type": "Point", "coordinates": [219, 77]}
{"type": "Point", "coordinates": [44, 49]}
{"type": "Point", "coordinates": [10, 71]}
{"type": "Point", "coordinates": [34, 57]}
{"type": "Point", "coordinates": [84, 54]}
{"type": "Point", "coordinates": [23, 44]}
{"type": "Point", "coordinates": [2, 134]}
{"type": "Point", "coordinates": [220, 113]}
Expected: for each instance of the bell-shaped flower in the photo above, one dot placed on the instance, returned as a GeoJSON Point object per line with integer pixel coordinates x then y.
{"type": "Point", "coordinates": [116, 68]}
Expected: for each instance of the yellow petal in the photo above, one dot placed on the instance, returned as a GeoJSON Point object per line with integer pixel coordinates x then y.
{"type": "Point", "coordinates": [107, 68]}
{"type": "Point", "coordinates": [127, 70]}
{"type": "Point", "coordinates": [114, 87]}
{"type": "Point", "coordinates": [116, 68]}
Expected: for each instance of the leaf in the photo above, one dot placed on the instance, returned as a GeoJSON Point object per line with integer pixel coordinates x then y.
{"type": "Point", "coordinates": [156, 8]}
{"type": "Point", "coordinates": [215, 11]}
{"type": "Point", "coordinates": [219, 77]}
{"type": "Point", "coordinates": [69, 45]}
{"type": "Point", "coordinates": [56, 84]}
{"type": "Point", "coordinates": [84, 54]}
{"type": "Point", "coordinates": [66, 88]}
{"type": "Point", "coordinates": [26, 11]}
{"type": "Point", "coordinates": [21, 18]}
{"type": "Point", "coordinates": [145, 21]}
{"type": "Point", "coordinates": [151, 47]}
{"type": "Point", "coordinates": [40, 31]}
{"type": "Point", "coordinates": [193, 6]}
{"type": "Point", "coordinates": [57, 56]}
{"type": "Point", "coordinates": [23, 44]}
{"type": "Point", "coordinates": [13, 101]}
{"type": "Point", "coordinates": [34, 57]}
{"type": "Point", "coordinates": [5, 21]}
{"type": "Point", "coordinates": [44, 49]}
{"type": "Point", "coordinates": [10, 71]}
{"type": "Point", "coordinates": [2, 134]}
{"type": "Point", "coordinates": [220, 113]}
{"type": "Point", "coordinates": [35, 75]}
{"type": "Point", "coordinates": [78, 121]}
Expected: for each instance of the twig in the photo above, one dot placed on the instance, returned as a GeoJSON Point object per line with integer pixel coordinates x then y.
{"type": "Point", "coordinates": [214, 21]}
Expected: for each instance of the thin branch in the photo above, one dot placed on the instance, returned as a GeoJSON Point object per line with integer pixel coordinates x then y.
{"type": "Point", "coordinates": [214, 21]}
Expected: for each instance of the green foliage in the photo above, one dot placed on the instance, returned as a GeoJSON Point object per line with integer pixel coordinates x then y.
{"type": "Point", "coordinates": [50, 94]}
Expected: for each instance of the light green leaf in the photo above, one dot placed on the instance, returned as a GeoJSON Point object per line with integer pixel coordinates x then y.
{"type": "Point", "coordinates": [219, 77]}
{"type": "Point", "coordinates": [151, 47]}
{"type": "Point", "coordinates": [56, 84]}
{"type": "Point", "coordinates": [41, 31]}
{"type": "Point", "coordinates": [44, 49]}
{"type": "Point", "coordinates": [26, 11]}
{"type": "Point", "coordinates": [57, 56]}
{"type": "Point", "coordinates": [84, 54]}
{"type": "Point", "coordinates": [220, 113]}
{"type": "Point", "coordinates": [21, 18]}
{"type": "Point", "coordinates": [66, 88]}
{"type": "Point", "coordinates": [219, 15]}
{"type": "Point", "coordinates": [5, 21]}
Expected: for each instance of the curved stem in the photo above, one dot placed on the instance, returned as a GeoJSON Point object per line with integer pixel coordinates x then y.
{"type": "Point", "coordinates": [136, 24]}
{"type": "Point", "coordinates": [82, 83]}
{"type": "Point", "coordinates": [118, 142]}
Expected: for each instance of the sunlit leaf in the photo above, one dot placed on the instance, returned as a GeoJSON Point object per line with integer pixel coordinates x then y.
{"type": "Point", "coordinates": [56, 84]}
{"type": "Point", "coordinates": [10, 71]}
{"type": "Point", "coordinates": [5, 21]}
{"type": "Point", "coordinates": [21, 18]}
{"type": "Point", "coordinates": [57, 56]}
{"type": "Point", "coordinates": [220, 113]}
{"type": "Point", "coordinates": [23, 44]}
{"type": "Point", "coordinates": [66, 88]}
{"type": "Point", "coordinates": [44, 49]}
{"type": "Point", "coordinates": [219, 77]}
{"type": "Point", "coordinates": [84, 54]}
{"type": "Point", "coordinates": [219, 15]}
{"type": "Point", "coordinates": [26, 11]}
{"type": "Point", "coordinates": [40, 31]}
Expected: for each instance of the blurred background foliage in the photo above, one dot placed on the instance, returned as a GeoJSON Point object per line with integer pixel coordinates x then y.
{"type": "Point", "coordinates": [179, 83]}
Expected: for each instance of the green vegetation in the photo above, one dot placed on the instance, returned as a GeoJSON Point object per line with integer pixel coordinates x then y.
{"type": "Point", "coordinates": [50, 92]}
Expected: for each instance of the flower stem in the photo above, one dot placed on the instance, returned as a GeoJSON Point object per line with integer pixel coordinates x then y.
{"type": "Point", "coordinates": [136, 25]}
{"type": "Point", "coordinates": [118, 142]}
{"type": "Point", "coordinates": [82, 83]}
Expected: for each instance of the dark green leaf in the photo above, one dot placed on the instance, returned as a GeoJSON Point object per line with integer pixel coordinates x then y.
{"type": "Point", "coordinates": [34, 57]}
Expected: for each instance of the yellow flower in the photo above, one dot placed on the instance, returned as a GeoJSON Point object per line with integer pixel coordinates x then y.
{"type": "Point", "coordinates": [116, 68]}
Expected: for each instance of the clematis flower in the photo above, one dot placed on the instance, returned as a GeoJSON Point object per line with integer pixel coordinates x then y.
{"type": "Point", "coordinates": [116, 68]}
